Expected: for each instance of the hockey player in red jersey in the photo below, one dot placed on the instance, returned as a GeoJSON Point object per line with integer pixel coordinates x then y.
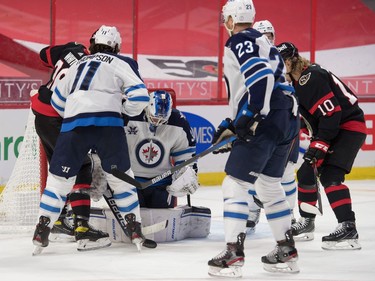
{"type": "Point", "coordinates": [337, 130]}
{"type": "Point", "coordinates": [48, 124]}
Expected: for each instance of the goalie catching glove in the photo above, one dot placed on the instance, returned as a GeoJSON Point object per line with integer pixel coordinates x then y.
{"type": "Point", "coordinates": [185, 181]}
{"type": "Point", "coordinates": [225, 130]}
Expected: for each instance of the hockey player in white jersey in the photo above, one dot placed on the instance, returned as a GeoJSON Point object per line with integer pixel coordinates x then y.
{"type": "Point", "coordinates": [90, 100]}
{"type": "Point", "coordinates": [158, 139]}
{"type": "Point", "coordinates": [266, 28]}
{"type": "Point", "coordinates": [264, 118]}
{"type": "Point", "coordinates": [288, 180]}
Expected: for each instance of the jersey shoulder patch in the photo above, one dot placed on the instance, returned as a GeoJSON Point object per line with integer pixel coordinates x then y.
{"type": "Point", "coordinates": [304, 79]}
{"type": "Point", "coordinates": [314, 74]}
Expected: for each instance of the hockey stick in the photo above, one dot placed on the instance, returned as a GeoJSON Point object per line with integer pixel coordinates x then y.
{"type": "Point", "coordinates": [310, 208]}
{"type": "Point", "coordinates": [108, 196]}
{"type": "Point", "coordinates": [142, 185]}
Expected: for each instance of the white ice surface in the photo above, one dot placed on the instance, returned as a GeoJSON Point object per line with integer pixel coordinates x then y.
{"type": "Point", "coordinates": [187, 259]}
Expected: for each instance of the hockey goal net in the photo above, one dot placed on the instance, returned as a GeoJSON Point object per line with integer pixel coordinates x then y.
{"type": "Point", "coordinates": [19, 201]}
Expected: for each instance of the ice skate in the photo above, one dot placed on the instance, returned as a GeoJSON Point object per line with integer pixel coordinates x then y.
{"type": "Point", "coordinates": [89, 238]}
{"type": "Point", "coordinates": [345, 237]}
{"type": "Point", "coordinates": [283, 258]}
{"type": "Point", "coordinates": [134, 231]}
{"type": "Point", "coordinates": [252, 221]}
{"type": "Point", "coordinates": [62, 231]}
{"type": "Point", "coordinates": [40, 238]}
{"type": "Point", "coordinates": [229, 262]}
{"type": "Point", "coordinates": [303, 230]}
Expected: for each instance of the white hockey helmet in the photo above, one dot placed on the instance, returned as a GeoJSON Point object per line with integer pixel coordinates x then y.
{"type": "Point", "coordinates": [107, 35]}
{"type": "Point", "coordinates": [241, 11]}
{"type": "Point", "coordinates": [159, 108]}
{"type": "Point", "coordinates": [265, 26]}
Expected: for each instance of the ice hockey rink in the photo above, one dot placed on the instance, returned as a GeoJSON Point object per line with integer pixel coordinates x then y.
{"type": "Point", "coordinates": [187, 259]}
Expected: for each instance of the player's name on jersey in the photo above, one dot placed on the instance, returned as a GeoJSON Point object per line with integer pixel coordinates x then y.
{"type": "Point", "coordinates": [100, 57]}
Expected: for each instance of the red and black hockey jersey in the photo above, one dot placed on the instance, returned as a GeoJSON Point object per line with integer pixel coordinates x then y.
{"type": "Point", "coordinates": [326, 104]}
{"type": "Point", "coordinates": [59, 58]}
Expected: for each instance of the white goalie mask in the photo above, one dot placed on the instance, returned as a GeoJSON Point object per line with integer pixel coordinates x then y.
{"type": "Point", "coordinates": [241, 11]}
{"type": "Point", "coordinates": [107, 35]}
{"type": "Point", "coordinates": [265, 26]}
{"type": "Point", "coordinates": [159, 108]}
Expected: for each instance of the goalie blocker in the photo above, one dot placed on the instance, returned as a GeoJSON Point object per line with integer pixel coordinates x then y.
{"type": "Point", "coordinates": [183, 222]}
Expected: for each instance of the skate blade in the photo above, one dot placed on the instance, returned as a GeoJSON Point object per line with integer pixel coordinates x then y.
{"type": "Point", "coordinates": [286, 267]}
{"type": "Point", "coordinates": [37, 250]}
{"type": "Point", "coordinates": [232, 271]}
{"type": "Point", "coordinates": [61, 238]}
{"type": "Point", "coordinates": [308, 236]}
{"type": "Point", "coordinates": [87, 245]}
{"type": "Point", "coordinates": [347, 244]}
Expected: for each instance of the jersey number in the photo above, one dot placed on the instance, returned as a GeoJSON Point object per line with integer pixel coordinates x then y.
{"type": "Point", "coordinates": [352, 99]}
{"type": "Point", "coordinates": [325, 107]}
{"type": "Point", "coordinates": [58, 73]}
{"type": "Point", "coordinates": [92, 68]}
{"type": "Point", "coordinates": [245, 47]}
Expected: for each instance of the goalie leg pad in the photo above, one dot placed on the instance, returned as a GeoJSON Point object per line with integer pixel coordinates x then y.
{"type": "Point", "coordinates": [183, 222]}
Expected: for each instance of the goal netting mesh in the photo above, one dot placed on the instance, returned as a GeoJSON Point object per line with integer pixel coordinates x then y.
{"type": "Point", "coordinates": [19, 201]}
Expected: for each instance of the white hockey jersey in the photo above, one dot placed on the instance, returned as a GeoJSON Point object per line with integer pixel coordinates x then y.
{"type": "Point", "coordinates": [255, 74]}
{"type": "Point", "coordinates": [153, 153]}
{"type": "Point", "coordinates": [93, 90]}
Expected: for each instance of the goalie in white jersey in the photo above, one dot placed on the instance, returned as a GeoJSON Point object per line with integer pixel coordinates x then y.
{"type": "Point", "coordinates": [158, 139]}
{"type": "Point", "coordinates": [90, 100]}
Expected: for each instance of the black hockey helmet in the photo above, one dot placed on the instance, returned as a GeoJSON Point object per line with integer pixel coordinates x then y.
{"type": "Point", "coordinates": [287, 50]}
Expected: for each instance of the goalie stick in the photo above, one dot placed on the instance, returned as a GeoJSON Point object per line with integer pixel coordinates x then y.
{"type": "Point", "coordinates": [148, 243]}
{"type": "Point", "coordinates": [142, 185]}
{"type": "Point", "coordinates": [310, 208]}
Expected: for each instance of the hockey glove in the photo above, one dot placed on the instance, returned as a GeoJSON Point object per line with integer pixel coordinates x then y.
{"type": "Point", "coordinates": [316, 152]}
{"type": "Point", "coordinates": [185, 181]}
{"type": "Point", "coordinates": [246, 125]}
{"type": "Point", "coordinates": [225, 130]}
